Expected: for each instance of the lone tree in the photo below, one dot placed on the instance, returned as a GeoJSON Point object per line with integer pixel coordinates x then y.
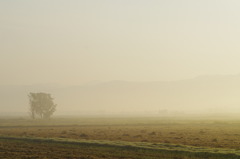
{"type": "Point", "coordinates": [41, 104]}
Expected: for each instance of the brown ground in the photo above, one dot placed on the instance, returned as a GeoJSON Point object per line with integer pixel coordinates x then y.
{"type": "Point", "coordinates": [29, 149]}
{"type": "Point", "coordinates": [201, 133]}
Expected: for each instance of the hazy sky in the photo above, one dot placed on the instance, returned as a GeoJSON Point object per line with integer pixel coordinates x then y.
{"type": "Point", "coordinates": [79, 41]}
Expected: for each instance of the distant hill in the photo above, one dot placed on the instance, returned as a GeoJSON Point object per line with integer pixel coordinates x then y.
{"type": "Point", "coordinates": [202, 94]}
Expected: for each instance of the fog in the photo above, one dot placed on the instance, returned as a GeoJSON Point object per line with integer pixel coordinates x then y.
{"type": "Point", "coordinates": [204, 94]}
{"type": "Point", "coordinates": [156, 57]}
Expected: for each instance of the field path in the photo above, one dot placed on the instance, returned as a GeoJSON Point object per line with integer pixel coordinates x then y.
{"type": "Point", "coordinates": [95, 149]}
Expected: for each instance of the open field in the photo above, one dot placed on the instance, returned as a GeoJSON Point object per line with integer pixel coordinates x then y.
{"type": "Point", "coordinates": [25, 147]}
{"type": "Point", "coordinates": [218, 137]}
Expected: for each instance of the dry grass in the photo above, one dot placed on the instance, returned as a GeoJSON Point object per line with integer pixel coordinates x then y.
{"type": "Point", "coordinates": [205, 133]}
{"type": "Point", "coordinates": [32, 147]}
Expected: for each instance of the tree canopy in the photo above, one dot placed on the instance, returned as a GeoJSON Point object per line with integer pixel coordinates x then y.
{"type": "Point", "coordinates": [41, 104]}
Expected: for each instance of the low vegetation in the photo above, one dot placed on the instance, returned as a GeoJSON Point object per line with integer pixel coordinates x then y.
{"type": "Point", "coordinates": [134, 138]}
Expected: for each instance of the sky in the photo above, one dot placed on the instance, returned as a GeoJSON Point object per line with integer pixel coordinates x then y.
{"type": "Point", "coordinates": [79, 41]}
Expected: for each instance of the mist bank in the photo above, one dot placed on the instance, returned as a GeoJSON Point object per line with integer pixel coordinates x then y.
{"type": "Point", "coordinates": [205, 94]}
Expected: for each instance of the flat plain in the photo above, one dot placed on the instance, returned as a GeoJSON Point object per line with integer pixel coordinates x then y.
{"type": "Point", "coordinates": [213, 135]}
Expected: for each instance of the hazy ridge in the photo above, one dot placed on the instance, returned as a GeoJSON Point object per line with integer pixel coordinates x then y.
{"type": "Point", "coordinates": [220, 94]}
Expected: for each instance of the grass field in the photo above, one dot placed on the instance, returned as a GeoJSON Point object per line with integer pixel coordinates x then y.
{"type": "Point", "coordinates": [120, 138]}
